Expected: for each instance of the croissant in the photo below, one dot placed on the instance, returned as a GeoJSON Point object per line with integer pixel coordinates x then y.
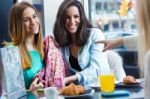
{"type": "Point", "coordinates": [129, 80]}
{"type": "Point", "coordinates": [72, 89]}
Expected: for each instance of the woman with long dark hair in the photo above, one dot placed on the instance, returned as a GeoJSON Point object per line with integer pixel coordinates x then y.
{"type": "Point", "coordinates": [76, 36]}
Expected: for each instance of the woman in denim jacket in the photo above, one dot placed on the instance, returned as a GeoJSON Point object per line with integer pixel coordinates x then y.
{"type": "Point", "coordinates": [76, 36]}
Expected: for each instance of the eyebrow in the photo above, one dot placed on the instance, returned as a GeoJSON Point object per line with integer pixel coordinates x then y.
{"type": "Point", "coordinates": [28, 17]}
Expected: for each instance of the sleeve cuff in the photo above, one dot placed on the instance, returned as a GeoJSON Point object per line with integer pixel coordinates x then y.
{"type": "Point", "coordinates": [78, 76]}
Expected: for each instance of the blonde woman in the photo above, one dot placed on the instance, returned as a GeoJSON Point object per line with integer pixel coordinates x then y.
{"type": "Point", "coordinates": [25, 32]}
{"type": "Point", "coordinates": [143, 10]}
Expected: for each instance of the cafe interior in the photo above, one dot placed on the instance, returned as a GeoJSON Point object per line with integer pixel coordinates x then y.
{"type": "Point", "coordinates": [117, 19]}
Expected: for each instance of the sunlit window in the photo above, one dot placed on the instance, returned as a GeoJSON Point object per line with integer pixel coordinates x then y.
{"type": "Point", "coordinates": [111, 15]}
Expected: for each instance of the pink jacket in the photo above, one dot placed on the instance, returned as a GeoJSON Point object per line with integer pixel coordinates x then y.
{"type": "Point", "coordinates": [54, 72]}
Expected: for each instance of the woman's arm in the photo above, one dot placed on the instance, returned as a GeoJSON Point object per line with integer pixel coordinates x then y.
{"type": "Point", "coordinates": [109, 44]}
{"type": "Point", "coordinates": [93, 61]}
{"type": "Point", "coordinates": [129, 41]}
{"type": "Point", "coordinates": [70, 79]}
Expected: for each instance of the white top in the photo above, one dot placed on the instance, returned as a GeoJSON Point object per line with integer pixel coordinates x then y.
{"type": "Point", "coordinates": [147, 74]}
{"type": "Point", "coordinates": [131, 42]}
{"type": "Point", "coordinates": [116, 65]}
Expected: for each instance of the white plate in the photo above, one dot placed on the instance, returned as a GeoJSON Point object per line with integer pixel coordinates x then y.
{"type": "Point", "coordinates": [122, 85]}
{"type": "Point", "coordinates": [137, 84]}
{"type": "Point", "coordinates": [88, 93]}
{"type": "Point", "coordinates": [97, 85]}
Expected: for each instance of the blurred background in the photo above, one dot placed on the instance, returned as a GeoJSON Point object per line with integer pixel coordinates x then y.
{"type": "Point", "coordinates": [117, 18]}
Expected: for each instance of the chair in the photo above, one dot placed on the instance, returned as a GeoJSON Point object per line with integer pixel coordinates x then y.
{"type": "Point", "coordinates": [130, 62]}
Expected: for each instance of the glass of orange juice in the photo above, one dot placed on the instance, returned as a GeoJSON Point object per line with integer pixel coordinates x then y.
{"type": "Point", "coordinates": [107, 83]}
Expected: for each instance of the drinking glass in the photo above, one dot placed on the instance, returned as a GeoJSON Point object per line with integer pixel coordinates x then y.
{"type": "Point", "coordinates": [51, 92]}
{"type": "Point", "coordinates": [107, 82]}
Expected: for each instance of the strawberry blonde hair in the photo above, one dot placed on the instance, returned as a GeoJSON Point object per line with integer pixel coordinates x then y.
{"type": "Point", "coordinates": [17, 33]}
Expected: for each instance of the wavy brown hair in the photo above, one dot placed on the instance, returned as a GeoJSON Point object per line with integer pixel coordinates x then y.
{"type": "Point", "coordinates": [17, 33]}
{"type": "Point", "coordinates": [62, 37]}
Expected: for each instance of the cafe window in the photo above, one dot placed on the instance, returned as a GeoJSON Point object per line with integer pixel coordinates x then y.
{"type": "Point", "coordinates": [98, 6]}
{"type": "Point", "coordinates": [112, 14]}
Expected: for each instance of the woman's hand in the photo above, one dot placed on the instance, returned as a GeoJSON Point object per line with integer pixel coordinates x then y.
{"type": "Point", "coordinates": [70, 79]}
{"type": "Point", "coordinates": [36, 85]}
{"type": "Point", "coordinates": [109, 44]}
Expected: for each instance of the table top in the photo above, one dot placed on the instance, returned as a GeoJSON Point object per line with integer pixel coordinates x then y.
{"type": "Point", "coordinates": [136, 92]}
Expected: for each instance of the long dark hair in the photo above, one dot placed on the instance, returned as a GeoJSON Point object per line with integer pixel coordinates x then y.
{"type": "Point", "coordinates": [60, 32]}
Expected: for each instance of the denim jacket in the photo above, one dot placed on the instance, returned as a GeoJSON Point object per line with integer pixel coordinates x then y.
{"type": "Point", "coordinates": [92, 60]}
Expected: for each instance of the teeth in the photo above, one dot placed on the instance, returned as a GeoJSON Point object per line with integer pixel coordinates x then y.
{"type": "Point", "coordinates": [72, 26]}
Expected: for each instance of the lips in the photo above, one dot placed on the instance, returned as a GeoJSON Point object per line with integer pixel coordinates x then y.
{"type": "Point", "coordinates": [34, 27]}
{"type": "Point", "coordinates": [72, 28]}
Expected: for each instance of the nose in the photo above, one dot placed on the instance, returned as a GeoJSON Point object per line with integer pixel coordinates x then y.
{"type": "Point", "coordinates": [72, 20]}
{"type": "Point", "coordinates": [33, 21]}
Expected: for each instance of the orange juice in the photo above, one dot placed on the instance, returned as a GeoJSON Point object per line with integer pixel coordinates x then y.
{"type": "Point", "coordinates": [107, 82]}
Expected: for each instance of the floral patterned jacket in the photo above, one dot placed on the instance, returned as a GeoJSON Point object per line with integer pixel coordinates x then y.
{"type": "Point", "coordinates": [54, 72]}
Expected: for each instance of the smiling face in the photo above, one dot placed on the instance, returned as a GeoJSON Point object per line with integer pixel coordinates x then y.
{"type": "Point", "coordinates": [73, 19]}
{"type": "Point", "coordinates": [31, 21]}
